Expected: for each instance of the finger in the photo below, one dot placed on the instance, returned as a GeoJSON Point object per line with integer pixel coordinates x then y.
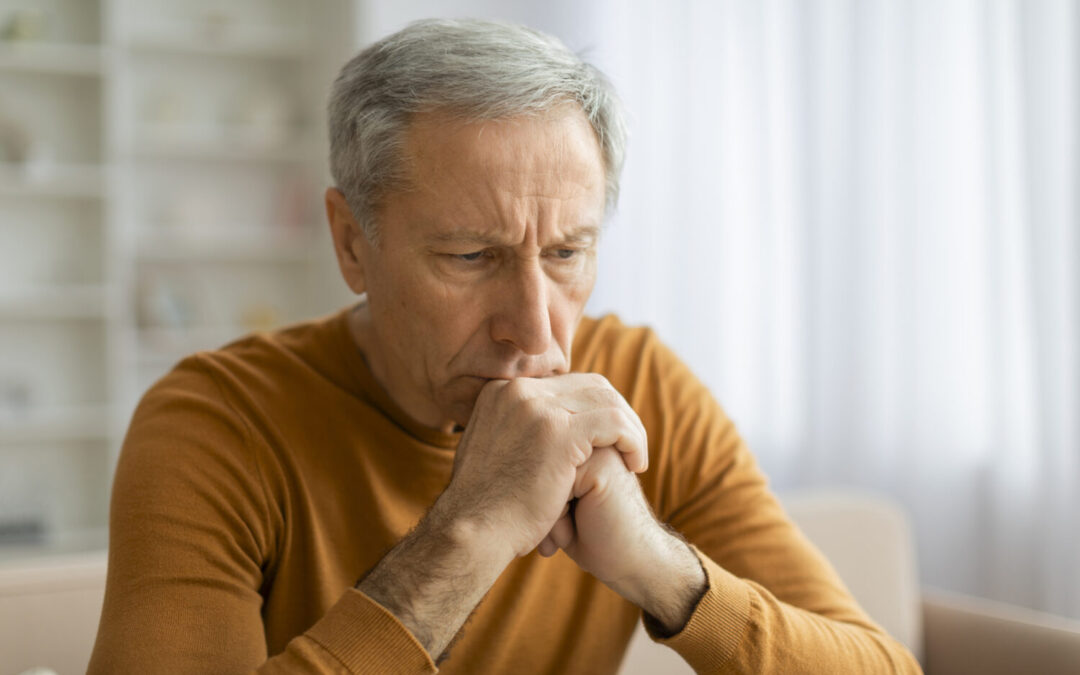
{"type": "Point", "coordinates": [612, 427]}
{"type": "Point", "coordinates": [567, 383]}
{"type": "Point", "coordinates": [562, 534]}
{"type": "Point", "coordinates": [584, 393]}
{"type": "Point", "coordinates": [598, 473]}
{"type": "Point", "coordinates": [603, 395]}
{"type": "Point", "coordinates": [547, 547]}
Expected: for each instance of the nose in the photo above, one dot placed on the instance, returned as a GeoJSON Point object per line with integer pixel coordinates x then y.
{"type": "Point", "coordinates": [522, 317]}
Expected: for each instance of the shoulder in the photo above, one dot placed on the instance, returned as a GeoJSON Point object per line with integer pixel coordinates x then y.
{"type": "Point", "coordinates": [629, 356]}
{"type": "Point", "coordinates": [603, 343]}
{"type": "Point", "coordinates": [184, 414]}
{"type": "Point", "coordinates": [255, 375]}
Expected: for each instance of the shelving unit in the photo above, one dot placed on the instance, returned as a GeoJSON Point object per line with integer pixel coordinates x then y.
{"type": "Point", "coordinates": [56, 181]}
{"type": "Point", "coordinates": [54, 58]}
{"type": "Point", "coordinates": [161, 169]}
{"type": "Point", "coordinates": [69, 301]}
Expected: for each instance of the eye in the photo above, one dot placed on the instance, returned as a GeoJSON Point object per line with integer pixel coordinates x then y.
{"type": "Point", "coordinates": [565, 253]}
{"type": "Point", "coordinates": [469, 257]}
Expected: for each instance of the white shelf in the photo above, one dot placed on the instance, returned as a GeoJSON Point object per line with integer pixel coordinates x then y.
{"type": "Point", "coordinates": [52, 180]}
{"type": "Point", "coordinates": [52, 58]}
{"type": "Point", "coordinates": [252, 47]}
{"type": "Point", "coordinates": [68, 423]}
{"type": "Point", "coordinates": [202, 149]}
{"type": "Point", "coordinates": [159, 344]}
{"type": "Point", "coordinates": [73, 301]}
{"type": "Point", "coordinates": [136, 115]}
{"type": "Point", "coordinates": [270, 247]}
{"type": "Point", "coordinates": [75, 552]}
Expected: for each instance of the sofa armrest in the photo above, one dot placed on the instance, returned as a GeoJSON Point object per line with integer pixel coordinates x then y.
{"type": "Point", "coordinates": [962, 634]}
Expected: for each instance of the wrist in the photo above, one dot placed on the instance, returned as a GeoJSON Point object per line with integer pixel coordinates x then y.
{"type": "Point", "coordinates": [670, 584]}
{"type": "Point", "coordinates": [434, 577]}
{"type": "Point", "coordinates": [474, 536]}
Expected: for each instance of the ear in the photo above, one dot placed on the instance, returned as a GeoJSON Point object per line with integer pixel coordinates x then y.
{"type": "Point", "coordinates": [349, 239]}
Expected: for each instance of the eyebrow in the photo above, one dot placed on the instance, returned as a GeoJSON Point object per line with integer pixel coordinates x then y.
{"type": "Point", "coordinates": [579, 235]}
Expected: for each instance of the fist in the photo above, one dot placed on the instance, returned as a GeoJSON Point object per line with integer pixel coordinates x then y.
{"type": "Point", "coordinates": [518, 461]}
{"type": "Point", "coordinates": [611, 527]}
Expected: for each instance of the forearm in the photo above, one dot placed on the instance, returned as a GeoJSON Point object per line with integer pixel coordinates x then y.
{"type": "Point", "coordinates": [669, 585]}
{"type": "Point", "coordinates": [434, 578]}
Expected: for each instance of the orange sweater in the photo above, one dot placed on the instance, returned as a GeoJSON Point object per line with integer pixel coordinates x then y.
{"type": "Point", "coordinates": [258, 482]}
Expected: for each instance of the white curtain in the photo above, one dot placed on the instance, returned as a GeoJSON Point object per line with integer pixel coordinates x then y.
{"type": "Point", "coordinates": [858, 221]}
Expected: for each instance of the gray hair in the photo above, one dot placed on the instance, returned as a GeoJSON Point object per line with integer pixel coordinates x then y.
{"type": "Point", "coordinates": [477, 70]}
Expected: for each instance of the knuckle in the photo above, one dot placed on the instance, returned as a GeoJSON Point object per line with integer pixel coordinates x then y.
{"type": "Point", "coordinates": [607, 396]}
{"type": "Point", "coordinates": [491, 390]}
{"type": "Point", "coordinates": [598, 380]}
{"type": "Point", "coordinates": [516, 388]}
{"type": "Point", "coordinates": [546, 422]}
{"type": "Point", "coordinates": [532, 406]}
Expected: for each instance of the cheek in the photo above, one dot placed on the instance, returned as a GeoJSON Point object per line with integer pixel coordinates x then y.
{"type": "Point", "coordinates": [447, 316]}
{"type": "Point", "coordinates": [580, 288]}
{"type": "Point", "coordinates": [571, 305]}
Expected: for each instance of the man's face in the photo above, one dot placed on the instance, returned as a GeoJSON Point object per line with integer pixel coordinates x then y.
{"type": "Point", "coordinates": [484, 264]}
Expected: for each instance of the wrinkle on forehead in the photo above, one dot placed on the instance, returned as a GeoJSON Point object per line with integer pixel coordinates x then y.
{"type": "Point", "coordinates": [439, 143]}
{"type": "Point", "coordinates": [505, 174]}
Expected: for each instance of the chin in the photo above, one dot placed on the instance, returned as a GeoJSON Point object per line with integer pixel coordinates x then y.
{"type": "Point", "coordinates": [460, 413]}
{"type": "Point", "coordinates": [460, 401]}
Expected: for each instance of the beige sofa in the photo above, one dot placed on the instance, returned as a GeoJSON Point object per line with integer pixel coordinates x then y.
{"type": "Point", "coordinates": [49, 608]}
{"type": "Point", "coordinates": [869, 541]}
{"type": "Point", "coordinates": [49, 612]}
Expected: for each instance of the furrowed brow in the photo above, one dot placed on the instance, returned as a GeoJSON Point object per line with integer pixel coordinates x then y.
{"type": "Point", "coordinates": [582, 235]}
{"type": "Point", "coordinates": [587, 234]}
{"type": "Point", "coordinates": [464, 237]}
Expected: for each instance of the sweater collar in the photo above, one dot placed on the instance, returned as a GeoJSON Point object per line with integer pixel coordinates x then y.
{"type": "Point", "coordinates": [365, 385]}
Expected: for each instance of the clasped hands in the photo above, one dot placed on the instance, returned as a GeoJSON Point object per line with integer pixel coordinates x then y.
{"type": "Point", "coordinates": [533, 447]}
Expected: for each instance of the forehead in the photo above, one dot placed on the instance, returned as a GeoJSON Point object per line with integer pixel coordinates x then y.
{"type": "Point", "coordinates": [560, 135]}
{"type": "Point", "coordinates": [548, 157]}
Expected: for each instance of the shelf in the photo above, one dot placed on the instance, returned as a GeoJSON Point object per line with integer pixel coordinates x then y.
{"type": "Point", "coordinates": [134, 117]}
{"type": "Point", "coordinates": [53, 58]}
{"type": "Point", "coordinates": [74, 301]}
{"type": "Point", "coordinates": [75, 553]}
{"type": "Point", "coordinates": [160, 344]}
{"type": "Point", "coordinates": [52, 181]}
{"type": "Point", "coordinates": [67, 423]}
{"type": "Point", "coordinates": [270, 247]}
{"type": "Point", "coordinates": [220, 150]}
{"type": "Point", "coordinates": [239, 47]}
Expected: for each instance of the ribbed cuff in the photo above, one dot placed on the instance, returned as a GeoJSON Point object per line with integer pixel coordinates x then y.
{"type": "Point", "coordinates": [719, 623]}
{"type": "Point", "coordinates": [367, 638]}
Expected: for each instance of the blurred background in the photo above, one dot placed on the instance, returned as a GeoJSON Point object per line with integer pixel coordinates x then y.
{"type": "Point", "coordinates": [856, 220]}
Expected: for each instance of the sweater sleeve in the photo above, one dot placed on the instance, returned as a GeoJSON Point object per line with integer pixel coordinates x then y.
{"type": "Point", "coordinates": [774, 604]}
{"type": "Point", "coordinates": [192, 540]}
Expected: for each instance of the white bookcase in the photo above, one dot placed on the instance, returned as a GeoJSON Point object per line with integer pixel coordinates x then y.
{"type": "Point", "coordinates": [161, 173]}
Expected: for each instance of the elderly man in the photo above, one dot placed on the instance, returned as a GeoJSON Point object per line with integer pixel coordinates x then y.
{"type": "Point", "coordinates": [461, 468]}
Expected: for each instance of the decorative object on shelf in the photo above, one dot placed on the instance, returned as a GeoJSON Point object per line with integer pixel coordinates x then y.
{"type": "Point", "coordinates": [216, 25]}
{"type": "Point", "coordinates": [16, 396]}
{"type": "Point", "coordinates": [192, 212]}
{"type": "Point", "coordinates": [40, 160]}
{"type": "Point", "coordinates": [294, 203]}
{"type": "Point", "coordinates": [26, 25]}
{"type": "Point", "coordinates": [38, 670]}
{"type": "Point", "coordinates": [163, 305]}
{"type": "Point", "coordinates": [21, 531]}
{"type": "Point", "coordinates": [14, 140]}
{"type": "Point", "coordinates": [166, 117]}
{"type": "Point", "coordinates": [259, 117]}
{"type": "Point", "coordinates": [259, 317]}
